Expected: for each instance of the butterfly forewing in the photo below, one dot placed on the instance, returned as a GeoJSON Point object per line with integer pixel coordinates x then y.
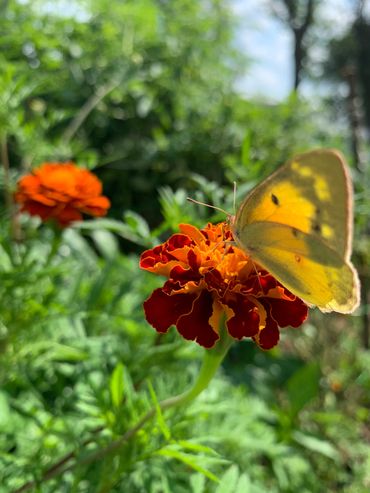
{"type": "Point", "coordinates": [311, 193]}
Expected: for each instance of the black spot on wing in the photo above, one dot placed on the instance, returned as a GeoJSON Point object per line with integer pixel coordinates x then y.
{"type": "Point", "coordinates": [274, 199]}
{"type": "Point", "coordinates": [295, 232]}
{"type": "Point", "coordinates": [316, 227]}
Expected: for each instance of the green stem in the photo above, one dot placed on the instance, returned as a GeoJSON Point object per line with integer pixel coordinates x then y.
{"type": "Point", "coordinates": [211, 362]}
{"type": "Point", "coordinates": [8, 196]}
{"type": "Point", "coordinates": [57, 240]}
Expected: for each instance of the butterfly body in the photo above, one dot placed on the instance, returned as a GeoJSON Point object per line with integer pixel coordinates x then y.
{"type": "Point", "coordinates": [297, 224]}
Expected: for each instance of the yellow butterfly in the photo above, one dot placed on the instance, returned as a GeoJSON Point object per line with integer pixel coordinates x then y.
{"type": "Point", "coordinates": [297, 224]}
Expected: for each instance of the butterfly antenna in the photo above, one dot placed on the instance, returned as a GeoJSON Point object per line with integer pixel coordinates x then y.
{"type": "Point", "coordinates": [257, 274]}
{"type": "Point", "coordinates": [207, 205]}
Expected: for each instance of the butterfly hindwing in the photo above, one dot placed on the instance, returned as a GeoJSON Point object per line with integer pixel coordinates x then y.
{"type": "Point", "coordinates": [307, 267]}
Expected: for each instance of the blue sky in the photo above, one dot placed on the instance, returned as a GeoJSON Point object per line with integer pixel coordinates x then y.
{"type": "Point", "coordinates": [268, 42]}
{"type": "Point", "coordinates": [265, 40]}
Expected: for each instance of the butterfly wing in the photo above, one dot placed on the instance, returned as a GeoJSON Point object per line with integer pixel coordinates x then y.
{"type": "Point", "coordinates": [311, 196]}
{"type": "Point", "coordinates": [312, 193]}
{"type": "Point", "coordinates": [305, 265]}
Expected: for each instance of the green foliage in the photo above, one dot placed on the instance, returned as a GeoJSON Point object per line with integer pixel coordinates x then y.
{"type": "Point", "coordinates": [142, 91]}
{"type": "Point", "coordinates": [80, 367]}
{"type": "Point", "coordinates": [140, 101]}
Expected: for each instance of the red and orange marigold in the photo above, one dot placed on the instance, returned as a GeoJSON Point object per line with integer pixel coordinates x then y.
{"type": "Point", "coordinates": [209, 278]}
{"type": "Point", "coordinates": [61, 191]}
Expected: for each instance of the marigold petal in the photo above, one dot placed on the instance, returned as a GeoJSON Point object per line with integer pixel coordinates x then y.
{"type": "Point", "coordinates": [67, 215]}
{"type": "Point", "coordinates": [292, 313]}
{"type": "Point", "coordinates": [207, 276]}
{"type": "Point", "coordinates": [163, 310]}
{"type": "Point", "coordinates": [192, 232]}
{"type": "Point", "coordinates": [60, 178]}
{"type": "Point", "coordinates": [42, 199]}
{"type": "Point", "coordinates": [269, 336]}
{"type": "Point", "coordinates": [267, 283]}
{"type": "Point", "coordinates": [193, 260]}
{"type": "Point", "coordinates": [29, 183]}
{"type": "Point", "coordinates": [88, 185]}
{"type": "Point", "coordinates": [95, 206]}
{"type": "Point", "coordinates": [67, 190]}
{"type": "Point", "coordinates": [195, 325]}
{"type": "Point", "coordinates": [215, 281]}
{"type": "Point", "coordinates": [246, 319]}
{"type": "Point", "coordinates": [182, 276]}
{"type": "Point", "coordinates": [162, 258]}
{"type": "Point", "coordinates": [216, 317]}
{"type": "Point", "coordinates": [177, 241]}
{"type": "Point", "coordinates": [279, 292]}
{"type": "Point", "coordinates": [37, 209]}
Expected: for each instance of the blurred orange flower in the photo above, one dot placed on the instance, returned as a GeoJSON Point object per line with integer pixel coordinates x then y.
{"type": "Point", "coordinates": [61, 191]}
{"type": "Point", "coordinates": [209, 278]}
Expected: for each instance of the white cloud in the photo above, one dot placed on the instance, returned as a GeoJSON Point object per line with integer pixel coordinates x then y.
{"type": "Point", "coordinates": [268, 43]}
{"type": "Point", "coordinates": [337, 15]}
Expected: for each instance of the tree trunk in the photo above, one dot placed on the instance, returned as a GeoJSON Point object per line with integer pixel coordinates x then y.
{"type": "Point", "coordinates": [354, 115]}
{"type": "Point", "coordinates": [299, 55]}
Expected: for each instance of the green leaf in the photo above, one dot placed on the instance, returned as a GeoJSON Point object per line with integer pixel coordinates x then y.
{"type": "Point", "coordinates": [160, 419]}
{"type": "Point", "coordinates": [196, 447]}
{"type": "Point", "coordinates": [246, 149]}
{"type": "Point", "coordinates": [188, 459]}
{"type": "Point", "coordinates": [5, 414]}
{"type": "Point", "coordinates": [44, 351]}
{"type": "Point", "coordinates": [318, 445]}
{"type": "Point", "coordinates": [244, 484]}
{"type": "Point", "coordinates": [116, 385]}
{"type": "Point", "coordinates": [134, 229]}
{"type": "Point", "coordinates": [197, 483]}
{"type": "Point", "coordinates": [229, 481]}
{"type": "Point", "coordinates": [61, 352]}
{"type": "Point", "coordinates": [303, 386]}
{"type": "Point", "coordinates": [137, 223]}
{"type": "Point", "coordinates": [106, 243]}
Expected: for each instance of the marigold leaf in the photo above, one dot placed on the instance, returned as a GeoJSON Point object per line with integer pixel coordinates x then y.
{"type": "Point", "coordinates": [315, 444]}
{"type": "Point", "coordinates": [229, 481]}
{"type": "Point", "coordinates": [106, 243]}
{"type": "Point", "coordinates": [303, 386]}
{"type": "Point", "coordinates": [188, 459]}
{"type": "Point", "coordinates": [196, 447]}
{"type": "Point", "coordinates": [116, 385]}
{"type": "Point", "coordinates": [197, 483]}
{"type": "Point", "coordinates": [244, 485]}
{"type": "Point", "coordinates": [160, 419]}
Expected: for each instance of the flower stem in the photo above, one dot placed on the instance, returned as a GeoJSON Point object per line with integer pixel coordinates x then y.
{"type": "Point", "coordinates": [8, 197]}
{"type": "Point", "coordinates": [55, 244]}
{"type": "Point", "coordinates": [211, 361]}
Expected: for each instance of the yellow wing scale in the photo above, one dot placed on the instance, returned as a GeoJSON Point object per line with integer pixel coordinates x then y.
{"type": "Point", "coordinates": [297, 224]}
